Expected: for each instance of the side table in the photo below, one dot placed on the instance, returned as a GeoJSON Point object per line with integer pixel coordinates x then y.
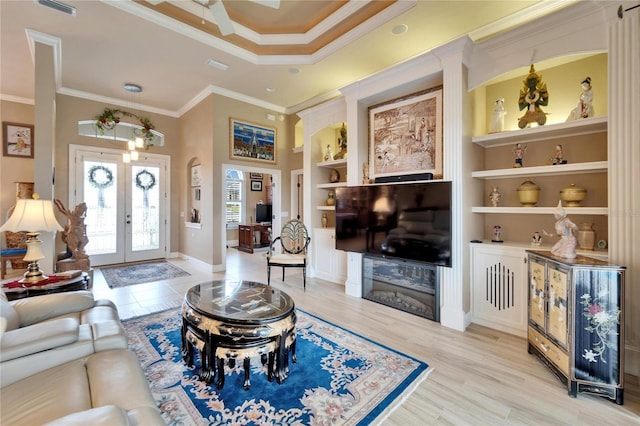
{"type": "Point", "coordinates": [13, 291]}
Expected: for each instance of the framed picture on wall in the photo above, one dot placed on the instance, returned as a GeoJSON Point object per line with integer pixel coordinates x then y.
{"type": "Point", "coordinates": [256, 185]}
{"type": "Point", "coordinates": [196, 175]}
{"type": "Point", "coordinates": [18, 140]}
{"type": "Point", "coordinates": [250, 141]}
{"type": "Point", "coordinates": [255, 176]}
{"type": "Point", "coordinates": [406, 136]}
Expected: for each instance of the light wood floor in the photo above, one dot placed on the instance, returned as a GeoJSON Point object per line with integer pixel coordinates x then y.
{"type": "Point", "coordinates": [480, 376]}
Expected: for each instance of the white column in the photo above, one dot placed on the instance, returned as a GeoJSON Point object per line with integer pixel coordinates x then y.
{"type": "Point", "coordinates": [624, 173]}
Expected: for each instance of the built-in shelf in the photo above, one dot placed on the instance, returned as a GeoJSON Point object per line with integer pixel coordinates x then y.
{"type": "Point", "coordinates": [542, 210]}
{"type": "Point", "coordinates": [561, 169]}
{"type": "Point", "coordinates": [332, 185]}
{"type": "Point", "coordinates": [333, 163]}
{"type": "Point", "coordinates": [329, 208]}
{"type": "Point", "coordinates": [193, 225]}
{"type": "Point", "coordinates": [550, 131]}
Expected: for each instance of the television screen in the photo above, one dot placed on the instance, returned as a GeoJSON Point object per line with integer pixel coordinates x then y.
{"type": "Point", "coordinates": [405, 220]}
{"type": "Point", "coordinates": [263, 213]}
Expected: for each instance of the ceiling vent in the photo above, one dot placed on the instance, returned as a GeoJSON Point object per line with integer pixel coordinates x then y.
{"type": "Point", "coordinates": [60, 7]}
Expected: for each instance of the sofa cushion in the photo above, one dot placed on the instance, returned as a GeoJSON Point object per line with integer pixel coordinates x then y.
{"type": "Point", "coordinates": [8, 313]}
{"type": "Point", "coordinates": [109, 415]}
{"type": "Point", "coordinates": [38, 338]}
{"type": "Point", "coordinates": [46, 396]}
{"type": "Point", "coordinates": [39, 308]}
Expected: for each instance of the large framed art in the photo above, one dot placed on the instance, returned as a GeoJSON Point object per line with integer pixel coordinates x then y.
{"type": "Point", "coordinates": [406, 136]}
{"type": "Point", "coordinates": [18, 140]}
{"type": "Point", "coordinates": [250, 141]}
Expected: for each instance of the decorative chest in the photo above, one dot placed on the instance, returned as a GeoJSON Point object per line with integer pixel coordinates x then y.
{"type": "Point", "coordinates": [576, 321]}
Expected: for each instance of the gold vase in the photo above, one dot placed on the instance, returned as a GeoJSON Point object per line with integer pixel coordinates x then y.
{"type": "Point", "coordinates": [528, 193]}
{"type": "Point", "coordinates": [572, 195]}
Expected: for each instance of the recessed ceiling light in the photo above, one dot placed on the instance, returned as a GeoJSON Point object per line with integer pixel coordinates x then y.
{"type": "Point", "coordinates": [294, 70]}
{"type": "Point", "coordinates": [133, 88]}
{"type": "Point", "coordinates": [217, 64]}
{"type": "Point", "coordinates": [270, 89]}
{"type": "Point", "coordinates": [400, 29]}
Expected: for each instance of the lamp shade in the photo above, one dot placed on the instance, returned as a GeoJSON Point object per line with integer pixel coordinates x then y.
{"type": "Point", "coordinates": [32, 216]}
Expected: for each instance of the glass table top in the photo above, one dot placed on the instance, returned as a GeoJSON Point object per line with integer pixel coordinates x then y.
{"type": "Point", "coordinates": [240, 301]}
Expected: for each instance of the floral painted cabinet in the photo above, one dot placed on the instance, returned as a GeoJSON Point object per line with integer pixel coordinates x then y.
{"type": "Point", "coordinates": [576, 321]}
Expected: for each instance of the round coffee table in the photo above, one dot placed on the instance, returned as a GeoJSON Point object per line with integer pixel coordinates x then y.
{"type": "Point", "coordinates": [231, 320]}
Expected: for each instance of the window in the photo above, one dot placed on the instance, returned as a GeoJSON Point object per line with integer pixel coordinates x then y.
{"type": "Point", "coordinates": [235, 198]}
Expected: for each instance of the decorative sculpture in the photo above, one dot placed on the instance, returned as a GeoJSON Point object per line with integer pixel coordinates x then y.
{"type": "Point", "coordinates": [497, 118]}
{"type": "Point", "coordinates": [494, 197]}
{"type": "Point", "coordinates": [519, 151]}
{"type": "Point", "coordinates": [584, 109]}
{"type": "Point", "coordinates": [75, 237]}
{"type": "Point", "coordinates": [566, 246]}
{"type": "Point", "coordinates": [532, 97]}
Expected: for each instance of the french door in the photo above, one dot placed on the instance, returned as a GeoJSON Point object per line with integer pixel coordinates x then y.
{"type": "Point", "coordinates": [127, 203]}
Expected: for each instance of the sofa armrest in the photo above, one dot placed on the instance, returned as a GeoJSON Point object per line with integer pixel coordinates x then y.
{"type": "Point", "coordinates": [39, 308]}
{"type": "Point", "coordinates": [37, 338]}
{"type": "Point", "coordinates": [109, 415]}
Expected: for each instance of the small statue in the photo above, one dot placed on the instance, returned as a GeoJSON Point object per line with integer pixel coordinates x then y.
{"type": "Point", "coordinates": [536, 239]}
{"type": "Point", "coordinates": [334, 176]}
{"type": "Point", "coordinates": [532, 97]}
{"type": "Point", "coordinates": [365, 173]}
{"type": "Point", "coordinates": [497, 118]}
{"type": "Point", "coordinates": [495, 196]}
{"type": "Point", "coordinates": [584, 109]}
{"type": "Point", "coordinates": [75, 232]}
{"type": "Point", "coordinates": [519, 151]}
{"type": "Point", "coordinates": [328, 155]}
{"type": "Point", "coordinates": [566, 246]}
{"type": "Point", "coordinates": [558, 157]}
{"type": "Point", "coordinates": [496, 234]}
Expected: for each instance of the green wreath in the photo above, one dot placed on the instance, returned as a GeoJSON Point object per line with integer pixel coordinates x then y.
{"type": "Point", "coordinates": [100, 177]}
{"type": "Point", "coordinates": [145, 180]}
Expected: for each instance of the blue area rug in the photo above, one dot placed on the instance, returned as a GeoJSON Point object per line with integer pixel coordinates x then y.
{"type": "Point", "coordinates": [340, 378]}
{"type": "Point", "coordinates": [125, 275]}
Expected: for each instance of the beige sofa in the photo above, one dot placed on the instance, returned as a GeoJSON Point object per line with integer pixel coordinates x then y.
{"type": "Point", "coordinates": [63, 361]}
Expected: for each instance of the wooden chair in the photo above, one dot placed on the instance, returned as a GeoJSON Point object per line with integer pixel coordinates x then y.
{"type": "Point", "coordinates": [294, 240]}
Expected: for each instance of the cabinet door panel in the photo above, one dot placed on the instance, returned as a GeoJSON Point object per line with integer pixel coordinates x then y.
{"type": "Point", "coordinates": [557, 305]}
{"type": "Point", "coordinates": [536, 293]}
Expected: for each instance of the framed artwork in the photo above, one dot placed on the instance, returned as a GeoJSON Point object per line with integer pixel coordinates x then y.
{"type": "Point", "coordinates": [250, 141]}
{"type": "Point", "coordinates": [196, 175]}
{"type": "Point", "coordinates": [18, 140]}
{"type": "Point", "coordinates": [255, 176]}
{"type": "Point", "coordinates": [406, 136]}
{"type": "Point", "coordinates": [256, 185]}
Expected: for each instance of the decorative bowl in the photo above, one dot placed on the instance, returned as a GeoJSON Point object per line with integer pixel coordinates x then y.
{"type": "Point", "coordinates": [572, 195]}
{"type": "Point", "coordinates": [528, 193]}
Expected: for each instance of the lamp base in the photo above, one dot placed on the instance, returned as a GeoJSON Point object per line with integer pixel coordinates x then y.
{"type": "Point", "coordinates": [33, 274]}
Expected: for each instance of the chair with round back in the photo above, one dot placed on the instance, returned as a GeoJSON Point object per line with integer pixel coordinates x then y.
{"type": "Point", "coordinates": [294, 240]}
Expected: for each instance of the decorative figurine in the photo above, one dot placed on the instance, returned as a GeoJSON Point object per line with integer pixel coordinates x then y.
{"type": "Point", "coordinates": [566, 246]}
{"type": "Point", "coordinates": [497, 118]}
{"type": "Point", "coordinates": [519, 151]}
{"type": "Point", "coordinates": [325, 220]}
{"type": "Point", "coordinates": [532, 97]}
{"type": "Point", "coordinates": [536, 239]}
{"type": "Point", "coordinates": [334, 176]}
{"type": "Point", "coordinates": [494, 197]}
{"type": "Point", "coordinates": [496, 234]}
{"type": "Point", "coordinates": [342, 143]}
{"type": "Point", "coordinates": [584, 109]}
{"type": "Point", "coordinates": [365, 173]}
{"type": "Point", "coordinates": [328, 154]}
{"type": "Point", "coordinates": [558, 157]}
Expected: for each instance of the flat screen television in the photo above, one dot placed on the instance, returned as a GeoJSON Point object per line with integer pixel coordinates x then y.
{"type": "Point", "coordinates": [263, 213]}
{"type": "Point", "coordinates": [403, 220]}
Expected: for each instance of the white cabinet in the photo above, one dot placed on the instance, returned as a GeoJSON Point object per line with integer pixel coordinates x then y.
{"type": "Point", "coordinates": [329, 264]}
{"type": "Point", "coordinates": [499, 287]}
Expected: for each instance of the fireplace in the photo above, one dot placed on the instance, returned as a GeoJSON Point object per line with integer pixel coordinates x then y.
{"type": "Point", "coordinates": [409, 286]}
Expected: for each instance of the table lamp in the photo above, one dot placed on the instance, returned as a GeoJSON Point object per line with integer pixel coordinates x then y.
{"type": "Point", "coordinates": [32, 216]}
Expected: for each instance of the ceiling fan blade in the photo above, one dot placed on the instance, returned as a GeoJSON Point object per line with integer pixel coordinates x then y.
{"type": "Point", "coordinates": [222, 18]}
{"type": "Point", "coordinates": [274, 4]}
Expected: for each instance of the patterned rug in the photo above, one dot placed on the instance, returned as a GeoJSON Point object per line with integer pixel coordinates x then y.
{"type": "Point", "coordinates": [340, 378]}
{"type": "Point", "coordinates": [124, 275]}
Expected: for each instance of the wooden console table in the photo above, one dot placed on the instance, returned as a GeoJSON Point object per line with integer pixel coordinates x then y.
{"type": "Point", "coordinates": [246, 242]}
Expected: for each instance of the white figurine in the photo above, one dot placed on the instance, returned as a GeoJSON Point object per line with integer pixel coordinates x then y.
{"type": "Point", "coordinates": [497, 118]}
{"type": "Point", "coordinates": [566, 246]}
{"type": "Point", "coordinates": [328, 154]}
{"type": "Point", "coordinates": [584, 109]}
{"type": "Point", "coordinates": [494, 197]}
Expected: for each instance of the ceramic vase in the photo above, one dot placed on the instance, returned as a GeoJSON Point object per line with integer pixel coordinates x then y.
{"type": "Point", "coordinates": [586, 236]}
{"type": "Point", "coordinates": [331, 200]}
